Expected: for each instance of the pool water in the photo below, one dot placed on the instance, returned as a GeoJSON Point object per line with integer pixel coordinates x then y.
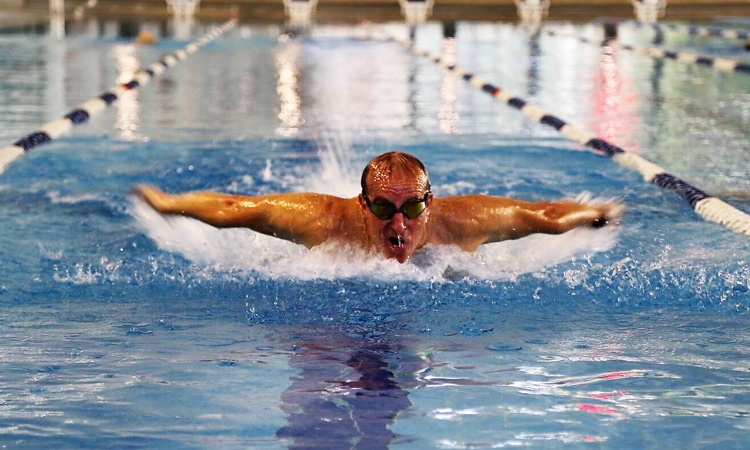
{"type": "Point", "coordinates": [121, 328]}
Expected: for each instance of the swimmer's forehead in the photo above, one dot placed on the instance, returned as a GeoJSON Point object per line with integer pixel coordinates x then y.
{"type": "Point", "coordinates": [397, 182]}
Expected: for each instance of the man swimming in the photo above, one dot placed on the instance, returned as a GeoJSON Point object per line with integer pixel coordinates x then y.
{"type": "Point", "coordinates": [394, 215]}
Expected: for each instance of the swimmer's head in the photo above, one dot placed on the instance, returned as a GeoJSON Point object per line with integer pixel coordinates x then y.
{"type": "Point", "coordinates": [395, 199]}
{"type": "Point", "coordinates": [381, 168]}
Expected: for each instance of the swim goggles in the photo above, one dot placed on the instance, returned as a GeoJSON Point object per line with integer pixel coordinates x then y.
{"type": "Point", "coordinates": [386, 210]}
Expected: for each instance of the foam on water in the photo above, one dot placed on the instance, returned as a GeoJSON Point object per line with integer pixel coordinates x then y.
{"type": "Point", "coordinates": [57, 198]}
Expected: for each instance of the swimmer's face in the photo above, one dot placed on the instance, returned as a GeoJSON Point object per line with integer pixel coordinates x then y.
{"type": "Point", "coordinates": [398, 236]}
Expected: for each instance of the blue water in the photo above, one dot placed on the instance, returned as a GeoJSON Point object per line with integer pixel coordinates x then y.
{"type": "Point", "coordinates": [123, 329]}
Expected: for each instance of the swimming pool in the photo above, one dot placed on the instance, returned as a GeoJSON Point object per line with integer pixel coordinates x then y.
{"type": "Point", "coordinates": [121, 328]}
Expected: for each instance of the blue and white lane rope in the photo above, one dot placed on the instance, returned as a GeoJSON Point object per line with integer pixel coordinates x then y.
{"type": "Point", "coordinates": [723, 64]}
{"type": "Point", "coordinates": [58, 127]}
{"type": "Point", "coordinates": [710, 208]}
{"type": "Point", "coordinates": [695, 30]}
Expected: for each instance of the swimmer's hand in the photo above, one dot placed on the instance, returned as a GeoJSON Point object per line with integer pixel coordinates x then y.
{"type": "Point", "coordinates": [158, 199]}
{"type": "Point", "coordinates": [609, 211]}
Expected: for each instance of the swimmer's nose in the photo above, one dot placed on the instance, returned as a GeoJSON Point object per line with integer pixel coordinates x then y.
{"type": "Point", "coordinates": [398, 222]}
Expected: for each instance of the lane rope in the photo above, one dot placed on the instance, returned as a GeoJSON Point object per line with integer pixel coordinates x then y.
{"type": "Point", "coordinates": [695, 30]}
{"type": "Point", "coordinates": [723, 64]}
{"type": "Point", "coordinates": [81, 114]}
{"type": "Point", "coordinates": [709, 208]}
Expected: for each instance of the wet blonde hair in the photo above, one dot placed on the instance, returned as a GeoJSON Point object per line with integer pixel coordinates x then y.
{"type": "Point", "coordinates": [388, 163]}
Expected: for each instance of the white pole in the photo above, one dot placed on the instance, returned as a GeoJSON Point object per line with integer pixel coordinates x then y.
{"type": "Point", "coordinates": [57, 7]}
{"type": "Point", "coordinates": [57, 18]}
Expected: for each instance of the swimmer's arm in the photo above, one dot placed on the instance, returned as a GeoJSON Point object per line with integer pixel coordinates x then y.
{"type": "Point", "coordinates": [293, 216]}
{"type": "Point", "coordinates": [486, 219]}
{"type": "Point", "coordinates": [562, 216]}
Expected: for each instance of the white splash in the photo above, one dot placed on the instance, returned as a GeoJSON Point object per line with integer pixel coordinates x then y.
{"type": "Point", "coordinates": [57, 198]}
{"type": "Point", "coordinates": [339, 169]}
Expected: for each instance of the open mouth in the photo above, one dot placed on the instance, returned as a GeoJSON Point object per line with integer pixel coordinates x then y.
{"type": "Point", "coordinates": [396, 241]}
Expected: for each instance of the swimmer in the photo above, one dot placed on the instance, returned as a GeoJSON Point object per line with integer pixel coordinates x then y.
{"type": "Point", "coordinates": [394, 215]}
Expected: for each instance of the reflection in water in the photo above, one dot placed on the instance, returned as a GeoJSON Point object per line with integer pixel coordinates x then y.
{"type": "Point", "coordinates": [615, 103]}
{"type": "Point", "coordinates": [287, 88]}
{"type": "Point", "coordinates": [128, 105]}
{"type": "Point", "coordinates": [532, 78]}
{"type": "Point", "coordinates": [657, 98]}
{"type": "Point", "coordinates": [344, 396]}
{"type": "Point", "coordinates": [448, 115]}
{"type": "Point", "coordinates": [57, 75]}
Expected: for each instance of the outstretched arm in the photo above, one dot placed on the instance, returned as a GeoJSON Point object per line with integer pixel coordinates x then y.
{"type": "Point", "coordinates": [296, 217]}
{"type": "Point", "coordinates": [474, 220]}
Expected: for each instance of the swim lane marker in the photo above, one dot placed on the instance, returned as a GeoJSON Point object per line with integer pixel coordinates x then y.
{"type": "Point", "coordinates": [695, 30]}
{"type": "Point", "coordinates": [58, 127]}
{"type": "Point", "coordinates": [723, 64]}
{"type": "Point", "coordinates": [710, 208]}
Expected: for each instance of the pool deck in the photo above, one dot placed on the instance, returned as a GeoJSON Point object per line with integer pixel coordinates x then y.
{"type": "Point", "coordinates": [20, 13]}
